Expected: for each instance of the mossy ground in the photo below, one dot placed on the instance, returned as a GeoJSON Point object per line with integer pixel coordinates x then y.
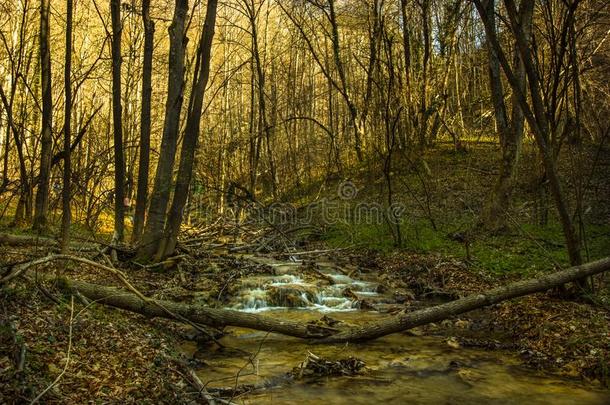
{"type": "Point", "coordinates": [448, 197]}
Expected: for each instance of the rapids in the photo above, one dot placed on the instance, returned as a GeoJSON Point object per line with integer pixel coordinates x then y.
{"type": "Point", "coordinates": [401, 368]}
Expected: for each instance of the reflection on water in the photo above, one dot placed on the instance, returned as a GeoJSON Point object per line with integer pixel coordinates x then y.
{"type": "Point", "coordinates": [400, 368]}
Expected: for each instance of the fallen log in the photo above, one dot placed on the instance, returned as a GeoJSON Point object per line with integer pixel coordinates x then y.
{"type": "Point", "coordinates": [195, 313]}
{"type": "Point", "coordinates": [7, 239]}
{"type": "Point", "coordinates": [389, 325]}
{"type": "Point", "coordinates": [26, 240]}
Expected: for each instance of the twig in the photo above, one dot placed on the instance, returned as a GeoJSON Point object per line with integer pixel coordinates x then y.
{"type": "Point", "coordinates": [203, 392]}
{"type": "Point", "coordinates": [67, 356]}
{"type": "Point", "coordinates": [250, 361]}
{"type": "Point", "coordinates": [193, 379]}
{"type": "Point", "coordinates": [317, 252]}
{"type": "Point", "coordinates": [18, 270]}
{"type": "Point", "coordinates": [21, 363]}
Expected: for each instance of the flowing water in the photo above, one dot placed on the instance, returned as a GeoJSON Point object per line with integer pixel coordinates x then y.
{"type": "Point", "coordinates": [399, 368]}
{"type": "Point", "coordinates": [291, 287]}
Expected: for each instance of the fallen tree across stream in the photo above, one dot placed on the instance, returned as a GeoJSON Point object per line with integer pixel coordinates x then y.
{"type": "Point", "coordinates": [392, 324]}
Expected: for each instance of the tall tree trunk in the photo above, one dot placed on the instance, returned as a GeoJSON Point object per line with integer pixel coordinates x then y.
{"type": "Point", "coordinates": [66, 191]}
{"type": "Point", "coordinates": [117, 119]}
{"type": "Point", "coordinates": [191, 133]}
{"type": "Point", "coordinates": [264, 127]}
{"type": "Point", "coordinates": [24, 192]}
{"type": "Point", "coordinates": [374, 45]}
{"type": "Point", "coordinates": [353, 110]}
{"type": "Point", "coordinates": [525, 51]}
{"type": "Point", "coordinates": [536, 118]}
{"type": "Point", "coordinates": [406, 44]}
{"type": "Point", "coordinates": [7, 151]}
{"type": "Point", "coordinates": [424, 114]}
{"type": "Point", "coordinates": [157, 212]}
{"type": "Point", "coordinates": [46, 142]}
{"type": "Point", "coordinates": [144, 162]}
{"type": "Point", "coordinates": [254, 136]}
{"type": "Point", "coordinates": [510, 133]}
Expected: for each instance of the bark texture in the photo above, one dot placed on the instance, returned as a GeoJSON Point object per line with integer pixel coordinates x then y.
{"type": "Point", "coordinates": [46, 140]}
{"type": "Point", "coordinates": [66, 191]}
{"type": "Point", "coordinates": [117, 119]}
{"type": "Point", "coordinates": [145, 123]}
{"type": "Point", "coordinates": [159, 200]}
{"type": "Point", "coordinates": [510, 131]}
{"type": "Point", "coordinates": [191, 135]}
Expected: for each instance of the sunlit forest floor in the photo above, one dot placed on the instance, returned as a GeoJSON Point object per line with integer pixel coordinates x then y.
{"type": "Point", "coordinates": [117, 356]}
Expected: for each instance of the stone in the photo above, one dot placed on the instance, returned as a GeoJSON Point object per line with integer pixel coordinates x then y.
{"type": "Point", "coordinates": [291, 295]}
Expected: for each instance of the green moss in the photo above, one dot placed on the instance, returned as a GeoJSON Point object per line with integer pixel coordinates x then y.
{"type": "Point", "coordinates": [371, 236]}
{"type": "Point", "coordinates": [526, 250]}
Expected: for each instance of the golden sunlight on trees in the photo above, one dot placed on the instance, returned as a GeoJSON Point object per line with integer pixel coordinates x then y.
{"type": "Point", "coordinates": [365, 159]}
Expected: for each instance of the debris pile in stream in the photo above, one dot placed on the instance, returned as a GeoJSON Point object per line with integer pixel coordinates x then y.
{"type": "Point", "coordinates": [314, 366]}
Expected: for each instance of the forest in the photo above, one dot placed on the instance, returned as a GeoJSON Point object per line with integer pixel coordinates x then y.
{"type": "Point", "coordinates": [305, 201]}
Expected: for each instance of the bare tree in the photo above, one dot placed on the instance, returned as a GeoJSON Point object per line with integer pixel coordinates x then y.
{"type": "Point", "coordinates": [145, 123]}
{"type": "Point", "coordinates": [157, 212]}
{"type": "Point", "coordinates": [535, 115]}
{"type": "Point", "coordinates": [67, 189]}
{"type": "Point", "coordinates": [509, 131]}
{"type": "Point", "coordinates": [42, 194]}
{"type": "Point", "coordinates": [191, 133]}
{"type": "Point", "coordinates": [117, 119]}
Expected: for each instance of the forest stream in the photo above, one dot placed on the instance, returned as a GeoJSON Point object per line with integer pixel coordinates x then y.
{"type": "Point", "coordinates": [398, 368]}
{"type": "Point", "coordinates": [305, 202]}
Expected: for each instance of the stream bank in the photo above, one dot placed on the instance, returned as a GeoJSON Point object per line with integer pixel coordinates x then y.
{"type": "Point", "coordinates": [129, 359]}
{"type": "Point", "coordinates": [461, 360]}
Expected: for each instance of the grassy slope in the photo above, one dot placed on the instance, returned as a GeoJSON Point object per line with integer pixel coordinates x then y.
{"type": "Point", "coordinates": [459, 185]}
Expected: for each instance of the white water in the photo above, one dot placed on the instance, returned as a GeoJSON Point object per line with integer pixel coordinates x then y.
{"type": "Point", "coordinates": [311, 294]}
{"type": "Point", "coordinates": [400, 368]}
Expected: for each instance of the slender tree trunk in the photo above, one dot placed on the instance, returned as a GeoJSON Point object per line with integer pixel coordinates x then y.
{"type": "Point", "coordinates": [353, 110]}
{"type": "Point", "coordinates": [526, 14]}
{"type": "Point", "coordinates": [157, 212]}
{"type": "Point", "coordinates": [374, 45]}
{"type": "Point", "coordinates": [117, 118]}
{"type": "Point", "coordinates": [536, 118]}
{"type": "Point", "coordinates": [264, 127]}
{"type": "Point", "coordinates": [42, 194]}
{"type": "Point", "coordinates": [66, 191]}
{"type": "Point", "coordinates": [7, 151]}
{"type": "Point", "coordinates": [406, 44]}
{"type": "Point", "coordinates": [24, 194]}
{"type": "Point", "coordinates": [145, 123]}
{"type": "Point", "coordinates": [254, 138]}
{"type": "Point", "coordinates": [525, 51]}
{"type": "Point", "coordinates": [423, 103]}
{"type": "Point", "coordinates": [191, 134]}
{"type": "Point", "coordinates": [510, 133]}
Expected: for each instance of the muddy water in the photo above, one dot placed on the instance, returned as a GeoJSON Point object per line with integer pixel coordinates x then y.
{"type": "Point", "coordinates": [399, 368]}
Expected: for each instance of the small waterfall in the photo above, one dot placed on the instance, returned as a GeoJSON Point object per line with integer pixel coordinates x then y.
{"type": "Point", "coordinates": [289, 290]}
{"type": "Point", "coordinates": [253, 300]}
{"type": "Point", "coordinates": [288, 279]}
